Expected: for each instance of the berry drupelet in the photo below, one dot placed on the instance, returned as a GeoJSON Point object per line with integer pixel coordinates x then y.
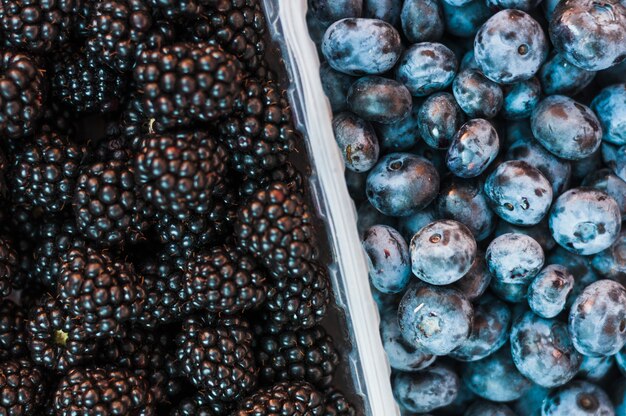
{"type": "Point", "coordinates": [8, 266]}
{"type": "Point", "coordinates": [283, 399]}
{"type": "Point", "coordinates": [23, 387]}
{"type": "Point", "coordinates": [12, 330]}
{"type": "Point", "coordinates": [336, 404]}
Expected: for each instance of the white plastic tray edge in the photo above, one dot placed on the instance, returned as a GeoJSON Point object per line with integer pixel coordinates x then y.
{"type": "Point", "coordinates": [371, 371]}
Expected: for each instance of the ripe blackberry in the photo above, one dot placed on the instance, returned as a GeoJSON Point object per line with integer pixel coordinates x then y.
{"type": "Point", "coordinates": [45, 171]}
{"type": "Point", "coordinates": [305, 355]}
{"type": "Point", "coordinates": [286, 173]}
{"type": "Point", "coordinates": [37, 26]}
{"type": "Point", "coordinates": [336, 404]}
{"type": "Point", "coordinates": [275, 226]}
{"type": "Point", "coordinates": [12, 330]}
{"type": "Point", "coordinates": [178, 10]}
{"type": "Point", "coordinates": [58, 118]}
{"type": "Point", "coordinates": [84, 85]}
{"type": "Point", "coordinates": [196, 405]}
{"type": "Point", "coordinates": [103, 391]}
{"type": "Point", "coordinates": [56, 340]}
{"type": "Point", "coordinates": [181, 173]}
{"type": "Point", "coordinates": [103, 293]}
{"type": "Point", "coordinates": [297, 302]}
{"type": "Point", "coordinates": [22, 86]}
{"type": "Point", "coordinates": [23, 387]}
{"type": "Point", "coordinates": [185, 83]}
{"type": "Point", "coordinates": [217, 356]}
{"type": "Point", "coordinates": [283, 399]}
{"type": "Point", "coordinates": [8, 266]}
{"type": "Point", "coordinates": [260, 132]}
{"type": "Point", "coordinates": [223, 280]}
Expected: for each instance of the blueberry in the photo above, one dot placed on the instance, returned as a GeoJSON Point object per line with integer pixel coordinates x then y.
{"type": "Point", "coordinates": [620, 360]}
{"type": "Point", "coordinates": [558, 76]}
{"type": "Point", "coordinates": [578, 266]}
{"type": "Point", "coordinates": [438, 119]}
{"type": "Point", "coordinates": [583, 167]}
{"type": "Point", "coordinates": [517, 130]}
{"type": "Point", "coordinates": [317, 28]}
{"type": "Point", "coordinates": [618, 164]}
{"type": "Point", "coordinates": [463, 399]}
{"type": "Point", "coordinates": [401, 135]}
{"type": "Point", "coordinates": [411, 224]}
{"type": "Point", "coordinates": [336, 86]}
{"type": "Point", "coordinates": [436, 319]}
{"type": "Point", "coordinates": [530, 403]}
{"type": "Point", "coordinates": [596, 369]}
{"type": "Point", "coordinates": [477, 95]}
{"type": "Point", "coordinates": [457, 3]}
{"type": "Point", "coordinates": [597, 319]}
{"type": "Point", "coordinates": [329, 11]}
{"type": "Point", "coordinates": [422, 20]}
{"type": "Point", "coordinates": [579, 398]}
{"type": "Point", "coordinates": [514, 258]}
{"type": "Point", "coordinates": [613, 75]}
{"type": "Point", "coordinates": [509, 292]}
{"type": "Point", "coordinates": [619, 397]}
{"type": "Point", "coordinates": [401, 184]}
{"type": "Point", "coordinates": [525, 5]}
{"type": "Point", "coordinates": [426, 390]}
{"type": "Point", "coordinates": [465, 20]}
{"type": "Point", "coordinates": [610, 106]}
{"type": "Point", "coordinates": [387, 258]}
{"type": "Point", "coordinates": [590, 34]}
{"type": "Point", "coordinates": [401, 355]}
{"type": "Point", "coordinates": [610, 155]}
{"type": "Point", "coordinates": [548, 292]}
{"type": "Point", "coordinates": [539, 232]}
{"type": "Point", "coordinates": [556, 170]}
{"type": "Point", "coordinates": [464, 201]}
{"type": "Point", "coordinates": [548, 7]}
{"type": "Point", "coordinates": [387, 303]}
{"type": "Point", "coordinates": [495, 377]}
{"type": "Point", "coordinates": [379, 99]}
{"type": "Point", "coordinates": [442, 252]}
{"type": "Point", "coordinates": [426, 68]}
{"type": "Point", "coordinates": [475, 281]}
{"type": "Point", "coordinates": [361, 46]}
{"type": "Point", "coordinates": [357, 141]}
{"type": "Point", "coordinates": [387, 10]}
{"type": "Point", "coordinates": [489, 330]}
{"type": "Point", "coordinates": [368, 216]}
{"type": "Point", "coordinates": [518, 193]}
{"type": "Point", "coordinates": [473, 148]}
{"type": "Point", "coordinates": [468, 61]}
{"type": "Point", "coordinates": [542, 350]}
{"type": "Point", "coordinates": [483, 408]}
{"type": "Point", "coordinates": [436, 157]}
{"type": "Point", "coordinates": [520, 99]}
{"type": "Point", "coordinates": [510, 47]}
{"type": "Point", "coordinates": [606, 181]}
{"type": "Point", "coordinates": [611, 263]}
{"type": "Point", "coordinates": [585, 221]}
{"type": "Point", "coordinates": [566, 128]}
{"type": "Point", "coordinates": [356, 185]}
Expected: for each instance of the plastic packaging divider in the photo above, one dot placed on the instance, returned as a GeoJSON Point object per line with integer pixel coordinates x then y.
{"type": "Point", "coordinates": [287, 20]}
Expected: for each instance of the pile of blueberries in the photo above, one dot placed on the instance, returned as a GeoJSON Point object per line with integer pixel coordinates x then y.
{"type": "Point", "coordinates": [485, 147]}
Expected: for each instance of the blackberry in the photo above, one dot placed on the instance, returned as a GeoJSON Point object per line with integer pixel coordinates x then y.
{"type": "Point", "coordinates": [181, 173]}
{"type": "Point", "coordinates": [223, 280]}
{"type": "Point", "coordinates": [300, 302]}
{"type": "Point", "coordinates": [8, 266]}
{"type": "Point", "coordinates": [336, 404]}
{"type": "Point", "coordinates": [22, 86]}
{"type": "Point", "coordinates": [84, 85]}
{"type": "Point", "coordinates": [185, 83]}
{"type": "Point", "coordinates": [45, 171]}
{"type": "Point", "coordinates": [283, 399]}
{"type": "Point", "coordinates": [103, 293]}
{"type": "Point", "coordinates": [103, 391]}
{"type": "Point", "coordinates": [178, 10]}
{"type": "Point", "coordinates": [23, 387]}
{"type": "Point", "coordinates": [260, 133]}
{"type": "Point", "coordinates": [37, 26]}
{"type": "Point", "coordinates": [58, 118]}
{"type": "Point", "coordinates": [12, 330]}
{"type": "Point", "coordinates": [275, 226]}
{"type": "Point", "coordinates": [56, 340]}
{"type": "Point", "coordinates": [305, 355]}
{"type": "Point", "coordinates": [196, 405]}
{"type": "Point", "coordinates": [217, 356]}
{"type": "Point", "coordinates": [286, 173]}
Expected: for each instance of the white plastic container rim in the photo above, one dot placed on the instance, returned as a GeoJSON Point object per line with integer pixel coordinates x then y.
{"type": "Point", "coordinates": [369, 365]}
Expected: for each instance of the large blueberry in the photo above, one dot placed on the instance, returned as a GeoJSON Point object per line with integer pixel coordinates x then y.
{"type": "Point", "coordinates": [336, 86]}
{"type": "Point", "coordinates": [426, 68]}
{"type": "Point", "coordinates": [402, 183]}
{"type": "Point", "coordinates": [516, 130]}
{"type": "Point", "coordinates": [401, 135]}
{"type": "Point", "coordinates": [585, 221]}
{"type": "Point", "coordinates": [579, 398]}
{"type": "Point", "coordinates": [566, 128]}
{"type": "Point", "coordinates": [422, 20]}
{"type": "Point", "coordinates": [484, 408]}
{"type": "Point", "coordinates": [610, 106]}
{"type": "Point", "coordinates": [514, 258]}
{"type": "Point", "coordinates": [558, 76]}
{"type": "Point", "coordinates": [509, 292]}
{"type": "Point", "coordinates": [489, 330]}
{"type": "Point", "coordinates": [539, 232]}
{"type": "Point", "coordinates": [442, 252]}
{"type": "Point", "coordinates": [525, 5]}
{"type": "Point", "coordinates": [542, 350]}
{"type": "Point", "coordinates": [468, 61]}
{"type": "Point", "coordinates": [361, 46]}
{"type": "Point", "coordinates": [357, 141]}
{"type": "Point", "coordinates": [596, 369]}
{"type": "Point", "coordinates": [579, 266]}
{"type": "Point", "coordinates": [477, 95]}
{"type": "Point", "coordinates": [329, 11]}
{"type": "Point", "coordinates": [402, 356]}
{"type": "Point", "coordinates": [597, 319]}
{"type": "Point", "coordinates": [495, 377]}
{"type": "Point", "coordinates": [388, 259]}
{"type": "Point", "coordinates": [464, 201]}
{"type": "Point", "coordinates": [426, 390]}
{"type": "Point", "coordinates": [609, 155]}
{"type": "Point", "coordinates": [379, 99]}
{"type": "Point", "coordinates": [589, 33]}
{"type": "Point", "coordinates": [583, 167]}
{"type": "Point", "coordinates": [549, 290]}
{"type": "Point", "coordinates": [476, 280]}
{"type": "Point", "coordinates": [368, 216]}
{"type": "Point", "coordinates": [530, 403]}
{"type": "Point", "coordinates": [606, 181]}
{"type": "Point", "coordinates": [387, 10]}
{"type": "Point", "coordinates": [411, 224]}
{"type": "Point", "coordinates": [510, 47]}
{"type": "Point", "coordinates": [465, 20]}
{"type": "Point", "coordinates": [520, 99]}
{"type": "Point", "coordinates": [611, 263]}
{"type": "Point", "coordinates": [518, 193]}
{"type": "Point", "coordinates": [438, 119]}
{"type": "Point", "coordinates": [436, 319]}
{"type": "Point", "coordinates": [473, 148]}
